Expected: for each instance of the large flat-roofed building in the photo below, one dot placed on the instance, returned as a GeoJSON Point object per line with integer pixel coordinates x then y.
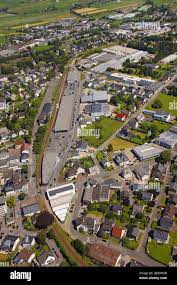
{"type": "Point", "coordinates": [146, 151]}
{"type": "Point", "coordinates": [63, 121]}
{"type": "Point", "coordinates": [168, 139]}
{"type": "Point", "coordinates": [60, 198]}
{"type": "Point", "coordinates": [92, 96]}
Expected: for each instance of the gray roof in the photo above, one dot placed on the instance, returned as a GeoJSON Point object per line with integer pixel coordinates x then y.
{"type": "Point", "coordinates": [64, 188]}
{"type": "Point", "coordinates": [92, 95]}
{"type": "Point", "coordinates": [43, 256]}
{"type": "Point", "coordinates": [160, 235]}
{"type": "Point", "coordinates": [30, 209]}
{"type": "Point", "coordinates": [166, 222]}
{"type": "Point", "coordinates": [63, 121]}
{"type": "Point", "coordinates": [146, 151]}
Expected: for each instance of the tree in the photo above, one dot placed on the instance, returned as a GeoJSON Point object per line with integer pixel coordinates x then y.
{"type": "Point", "coordinates": [110, 148]}
{"type": "Point", "coordinates": [139, 216]}
{"type": "Point", "coordinates": [41, 237]}
{"type": "Point", "coordinates": [165, 156]}
{"type": "Point", "coordinates": [21, 196]}
{"type": "Point", "coordinates": [157, 104]}
{"type": "Point", "coordinates": [11, 200]}
{"type": "Point", "coordinates": [79, 246]}
{"type": "Point", "coordinates": [44, 220]}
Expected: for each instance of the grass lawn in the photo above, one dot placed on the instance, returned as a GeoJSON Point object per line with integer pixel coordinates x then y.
{"type": "Point", "coordinates": [166, 100]}
{"type": "Point", "coordinates": [173, 238]}
{"type": "Point", "coordinates": [159, 252]}
{"type": "Point", "coordinates": [120, 144]}
{"type": "Point", "coordinates": [42, 48]}
{"type": "Point", "coordinates": [106, 126]}
{"type": "Point", "coordinates": [87, 162]}
{"type": "Point", "coordinates": [132, 244]}
{"type": "Point", "coordinates": [100, 155]}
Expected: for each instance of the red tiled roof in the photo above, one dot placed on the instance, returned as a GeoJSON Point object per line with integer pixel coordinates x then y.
{"type": "Point", "coordinates": [121, 116]}
{"type": "Point", "coordinates": [117, 232]}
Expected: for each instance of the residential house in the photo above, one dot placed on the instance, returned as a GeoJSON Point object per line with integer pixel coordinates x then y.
{"type": "Point", "coordinates": [116, 209]}
{"type": "Point", "coordinates": [105, 163]}
{"type": "Point", "coordinates": [126, 174]}
{"type": "Point", "coordinates": [174, 253]}
{"type": "Point", "coordinates": [137, 209]}
{"type": "Point", "coordinates": [24, 256]}
{"type": "Point", "coordinates": [94, 170]}
{"type": "Point", "coordinates": [159, 171]}
{"type": "Point", "coordinates": [133, 124]}
{"type": "Point", "coordinates": [105, 255]}
{"type": "Point", "coordinates": [30, 210]}
{"type": "Point", "coordinates": [170, 211]}
{"type": "Point", "coordinates": [82, 146]}
{"type": "Point", "coordinates": [147, 196]}
{"type": "Point", "coordinates": [133, 233]}
{"type": "Point", "coordinates": [161, 236]}
{"type": "Point", "coordinates": [121, 159]}
{"type": "Point", "coordinates": [104, 194]}
{"type": "Point", "coordinates": [45, 258]}
{"type": "Point", "coordinates": [87, 225]}
{"type": "Point", "coordinates": [3, 207]}
{"type": "Point", "coordinates": [112, 183]}
{"type": "Point", "coordinates": [74, 171]}
{"type": "Point", "coordinates": [166, 222]}
{"type": "Point", "coordinates": [118, 232]}
{"type": "Point", "coordinates": [106, 228]}
{"type": "Point", "coordinates": [142, 172]}
{"type": "Point", "coordinates": [121, 117]}
{"type": "Point", "coordinates": [28, 241]}
{"type": "Point", "coordinates": [4, 134]}
{"type": "Point", "coordinates": [9, 243]}
{"type": "Point", "coordinates": [172, 199]}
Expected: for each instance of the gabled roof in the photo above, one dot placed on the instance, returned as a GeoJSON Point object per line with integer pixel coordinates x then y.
{"type": "Point", "coordinates": [166, 222]}
{"type": "Point", "coordinates": [43, 256]}
{"type": "Point", "coordinates": [160, 235]}
{"type": "Point", "coordinates": [117, 232]}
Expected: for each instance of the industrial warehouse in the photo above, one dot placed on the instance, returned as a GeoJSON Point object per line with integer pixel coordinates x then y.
{"type": "Point", "coordinates": [60, 198]}
{"type": "Point", "coordinates": [146, 151]}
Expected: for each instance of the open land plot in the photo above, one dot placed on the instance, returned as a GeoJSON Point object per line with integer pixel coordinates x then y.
{"type": "Point", "coordinates": [106, 126]}
{"type": "Point", "coordinates": [120, 144]}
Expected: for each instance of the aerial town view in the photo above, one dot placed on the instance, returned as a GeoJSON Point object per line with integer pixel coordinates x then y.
{"type": "Point", "coordinates": [88, 134]}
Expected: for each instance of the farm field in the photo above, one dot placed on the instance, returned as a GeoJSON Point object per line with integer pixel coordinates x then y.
{"type": "Point", "coordinates": [19, 13]}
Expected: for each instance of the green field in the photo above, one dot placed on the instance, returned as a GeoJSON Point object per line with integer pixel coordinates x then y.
{"type": "Point", "coordinates": [106, 126]}
{"type": "Point", "coordinates": [166, 101]}
{"type": "Point", "coordinates": [32, 12]}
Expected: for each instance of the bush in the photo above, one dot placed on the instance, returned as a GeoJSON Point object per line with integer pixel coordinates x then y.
{"type": "Point", "coordinates": [21, 196]}
{"type": "Point", "coordinates": [79, 246]}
